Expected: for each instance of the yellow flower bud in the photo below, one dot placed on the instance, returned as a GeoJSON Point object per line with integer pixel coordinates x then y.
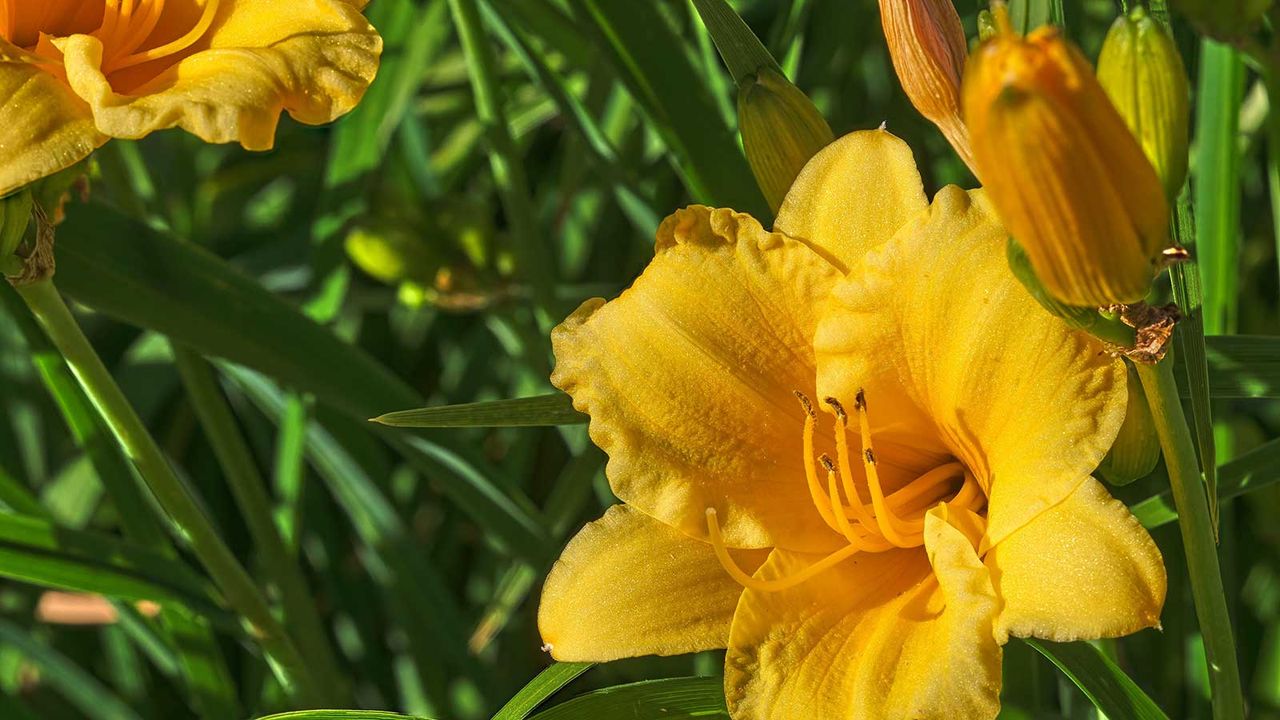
{"type": "Point", "coordinates": [927, 46]}
{"type": "Point", "coordinates": [1142, 72]}
{"type": "Point", "coordinates": [781, 130]}
{"type": "Point", "coordinates": [1137, 447]}
{"type": "Point", "coordinates": [1224, 20]}
{"type": "Point", "coordinates": [1066, 175]}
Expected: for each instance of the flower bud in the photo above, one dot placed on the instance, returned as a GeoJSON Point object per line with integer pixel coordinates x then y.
{"type": "Point", "coordinates": [15, 215]}
{"type": "Point", "coordinates": [1224, 20]}
{"type": "Point", "coordinates": [1077, 317]}
{"type": "Point", "coordinates": [1062, 169]}
{"type": "Point", "coordinates": [1142, 72]}
{"type": "Point", "coordinates": [927, 46]}
{"type": "Point", "coordinates": [1137, 447]}
{"type": "Point", "coordinates": [781, 130]}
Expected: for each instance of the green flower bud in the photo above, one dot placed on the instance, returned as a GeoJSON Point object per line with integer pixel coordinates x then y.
{"type": "Point", "coordinates": [781, 130]}
{"type": "Point", "coordinates": [1137, 448]}
{"type": "Point", "coordinates": [15, 215]}
{"type": "Point", "coordinates": [1225, 20]}
{"type": "Point", "coordinates": [391, 254]}
{"type": "Point", "coordinates": [1141, 71]}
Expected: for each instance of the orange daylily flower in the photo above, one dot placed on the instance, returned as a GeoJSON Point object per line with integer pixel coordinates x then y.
{"type": "Point", "coordinates": [75, 73]}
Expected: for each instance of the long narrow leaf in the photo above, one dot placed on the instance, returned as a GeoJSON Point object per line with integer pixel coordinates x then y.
{"type": "Point", "coordinates": [1110, 689]}
{"type": "Point", "coordinates": [675, 699]}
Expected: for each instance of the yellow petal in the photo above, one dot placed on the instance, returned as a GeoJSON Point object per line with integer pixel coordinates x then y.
{"type": "Point", "coordinates": [1084, 570]}
{"type": "Point", "coordinates": [1028, 405]}
{"type": "Point", "coordinates": [688, 379]}
{"type": "Point", "coordinates": [882, 635]}
{"type": "Point", "coordinates": [628, 585]}
{"type": "Point", "coordinates": [853, 196]}
{"type": "Point", "coordinates": [313, 58]}
{"type": "Point", "coordinates": [46, 127]}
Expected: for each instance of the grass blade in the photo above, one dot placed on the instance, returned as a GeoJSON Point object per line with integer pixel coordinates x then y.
{"type": "Point", "coordinates": [1256, 469]}
{"type": "Point", "coordinates": [1111, 690]}
{"type": "Point", "coordinates": [79, 687]}
{"type": "Point", "coordinates": [552, 409]}
{"type": "Point", "coordinates": [547, 683]}
{"type": "Point", "coordinates": [651, 700]}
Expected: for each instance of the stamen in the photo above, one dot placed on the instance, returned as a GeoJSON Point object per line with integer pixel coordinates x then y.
{"type": "Point", "coordinates": [751, 583]}
{"type": "Point", "coordinates": [820, 500]}
{"type": "Point", "coordinates": [897, 531]}
{"type": "Point", "coordinates": [202, 26]}
{"type": "Point", "coordinates": [140, 29]}
{"type": "Point", "coordinates": [930, 482]}
{"type": "Point", "coordinates": [860, 512]}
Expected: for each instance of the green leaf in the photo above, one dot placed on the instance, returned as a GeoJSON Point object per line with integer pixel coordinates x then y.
{"type": "Point", "coordinates": [742, 51]}
{"type": "Point", "coordinates": [35, 551]}
{"type": "Point", "coordinates": [1242, 366]}
{"type": "Point", "coordinates": [133, 272]}
{"type": "Point", "coordinates": [643, 50]}
{"type": "Point", "coordinates": [341, 715]}
{"type": "Point", "coordinates": [551, 409]}
{"type": "Point", "coordinates": [1258, 468]}
{"type": "Point", "coordinates": [1110, 689]}
{"type": "Point", "coordinates": [81, 689]}
{"type": "Point", "coordinates": [539, 689]}
{"type": "Point", "coordinates": [672, 699]}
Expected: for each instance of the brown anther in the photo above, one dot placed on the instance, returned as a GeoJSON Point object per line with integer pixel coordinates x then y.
{"type": "Point", "coordinates": [860, 400]}
{"type": "Point", "coordinates": [805, 403]}
{"type": "Point", "coordinates": [837, 408]}
{"type": "Point", "coordinates": [827, 462]}
{"type": "Point", "coordinates": [871, 456]}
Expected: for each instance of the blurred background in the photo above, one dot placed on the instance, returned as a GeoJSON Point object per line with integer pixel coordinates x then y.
{"type": "Point", "coordinates": [417, 253]}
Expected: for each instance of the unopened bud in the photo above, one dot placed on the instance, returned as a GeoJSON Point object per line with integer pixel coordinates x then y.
{"type": "Point", "coordinates": [927, 45]}
{"type": "Point", "coordinates": [1137, 447]}
{"type": "Point", "coordinates": [15, 216]}
{"type": "Point", "coordinates": [390, 254]}
{"type": "Point", "coordinates": [781, 130]}
{"type": "Point", "coordinates": [1062, 169]}
{"type": "Point", "coordinates": [1225, 20]}
{"type": "Point", "coordinates": [1020, 266]}
{"type": "Point", "coordinates": [1142, 72]}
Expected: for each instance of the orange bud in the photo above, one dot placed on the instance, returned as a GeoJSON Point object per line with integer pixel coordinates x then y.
{"type": "Point", "coordinates": [1068, 178]}
{"type": "Point", "coordinates": [927, 45]}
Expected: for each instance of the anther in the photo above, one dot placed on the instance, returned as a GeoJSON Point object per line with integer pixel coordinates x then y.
{"type": "Point", "coordinates": [805, 403]}
{"type": "Point", "coordinates": [838, 409]}
{"type": "Point", "coordinates": [860, 400]}
{"type": "Point", "coordinates": [871, 455]}
{"type": "Point", "coordinates": [827, 462]}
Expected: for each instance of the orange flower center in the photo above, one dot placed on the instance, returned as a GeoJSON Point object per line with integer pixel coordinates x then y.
{"type": "Point", "coordinates": [132, 32]}
{"type": "Point", "coordinates": [884, 521]}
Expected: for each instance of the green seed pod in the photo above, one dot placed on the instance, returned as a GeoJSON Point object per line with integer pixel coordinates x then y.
{"type": "Point", "coordinates": [781, 130]}
{"type": "Point", "coordinates": [1142, 72]}
{"type": "Point", "coordinates": [1225, 20]}
{"type": "Point", "coordinates": [1137, 448]}
{"type": "Point", "coordinates": [1020, 265]}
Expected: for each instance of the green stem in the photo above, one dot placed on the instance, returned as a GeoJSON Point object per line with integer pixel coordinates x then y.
{"type": "Point", "coordinates": [1197, 538]}
{"type": "Point", "coordinates": [1273, 151]}
{"type": "Point", "coordinates": [175, 497]}
{"type": "Point", "coordinates": [248, 487]}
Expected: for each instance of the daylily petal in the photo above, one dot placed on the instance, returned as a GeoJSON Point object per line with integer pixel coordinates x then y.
{"type": "Point", "coordinates": [879, 636]}
{"type": "Point", "coordinates": [853, 196]}
{"type": "Point", "coordinates": [1085, 569]}
{"type": "Point", "coordinates": [314, 59]}
{"type": "Point", "coordinates": [1028, 405]}
{"type": "Point", "coordinates": [628, 585]}
{"type": "Point", "coordinates": [689, 376]}
{"type": "Point", "coordinates": [46, 127]}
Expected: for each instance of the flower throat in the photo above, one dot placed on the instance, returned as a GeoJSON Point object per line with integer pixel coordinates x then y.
{"type": "Point", "coordinates": [895, 520]}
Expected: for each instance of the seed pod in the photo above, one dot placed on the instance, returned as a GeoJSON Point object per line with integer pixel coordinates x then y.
{"type": "Point", "coordinates": [1137, 447]}
{"type": "Point", "coordinates": [1225, 20]}
{"type": "Point", "coordinates": [1142, 72]}
{"type": "Point", "coordinates": [781, 130]}
{"type": "Point", "coordinates": [1062, 169]}
{"type": "Point", "coordinates": [927, 45]}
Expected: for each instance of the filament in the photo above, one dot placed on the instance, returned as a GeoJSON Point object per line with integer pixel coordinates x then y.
{"type": "Point", "coordinates": [893, 528]}
{"type": "Point", "coordinates": [751, 583]}
{"type": "Point", "coordinates": [155, 7]}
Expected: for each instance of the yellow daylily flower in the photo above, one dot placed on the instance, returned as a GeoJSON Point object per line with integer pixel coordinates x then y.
{"type": "Point", "coordinates": [74, 73]}
{"type": "Point", "coordinates": [852, 451]}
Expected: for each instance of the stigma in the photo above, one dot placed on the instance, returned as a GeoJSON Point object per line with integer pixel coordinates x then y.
{"type": "Point", "coordinates": [856, 506]}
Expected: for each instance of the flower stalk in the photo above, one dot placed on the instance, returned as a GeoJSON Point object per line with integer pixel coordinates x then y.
{"type": "Point", "coordinates": [237, 587]}
{"type": "Point", "coordinates": [1197, 538]}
